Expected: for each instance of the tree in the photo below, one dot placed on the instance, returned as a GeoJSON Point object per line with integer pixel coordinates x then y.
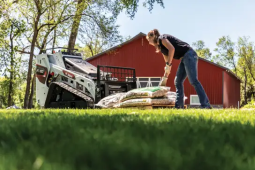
{"type": "Point", "coordinates": [81, 6]}
{"type": "Point", "coordinates": [201, 50]}
{"type": "Point", "coordinates": [94, 42]}
{"type": "Point", "coordinates": [11, 30]}
{"type": "Point", "coordinates": [3, 92]}
{"type": "Point", "coordinates": [48, 34]}
{"type": "Point", "coordinates": [93, 12]}
{"type": "Point", "coordinates": [240, 59]}
{"type": "Point", "coordinates": [226, 53]}
{"type": "Point", "coordinates": [16, 29]}
{"type": "Point", "coordinates": [35, 12]}
{"type": "Point", "coordinates": [246, 68]}
{"type": "Point", "coordinates": [243, 72]}
{"type": "Point", "coordinates": [246, 51]}
{"type": "Point", "coordinates": [4, 7]}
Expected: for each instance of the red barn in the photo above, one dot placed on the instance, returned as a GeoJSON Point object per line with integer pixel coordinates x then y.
{"type": "Point", "coordinates": [220, 84]}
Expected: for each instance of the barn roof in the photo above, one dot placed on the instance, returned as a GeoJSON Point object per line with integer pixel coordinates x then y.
{"type": "Point", "coordinates": [142, 35]}
{"type": "Point", "coordinates": [117, 46]}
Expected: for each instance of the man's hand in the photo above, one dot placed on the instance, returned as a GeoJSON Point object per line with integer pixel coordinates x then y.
{"type": "Point", "coordinates": [167, 70]}
{"type": "Point", "coordinates": [163, 81]}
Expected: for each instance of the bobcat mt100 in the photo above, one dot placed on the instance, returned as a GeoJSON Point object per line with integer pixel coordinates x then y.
{"type": "Point", "coordinates": [65, 80]}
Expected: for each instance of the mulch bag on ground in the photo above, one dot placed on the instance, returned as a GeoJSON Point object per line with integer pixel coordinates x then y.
{"type": "Point", "coordinates": [110, 101]}
{"type": "Point", "coordinates": [168, 98]}
{"type": "Point", "coordinates": [148, 96]}
{"type": "Point", "coordinates": [147, 102]}
{"type": "Point", "coordinates": [136, 102]}
{"type": "Point", "coordinates": [163, 101]}
{"type": "Point", "coordinates": [147, 92]}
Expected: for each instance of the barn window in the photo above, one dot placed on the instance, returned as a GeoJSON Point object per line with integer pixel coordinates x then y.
{"type": "Point", "coordinates": [147, 81]}
{"type": "Point", "coordinates": [194, 100]}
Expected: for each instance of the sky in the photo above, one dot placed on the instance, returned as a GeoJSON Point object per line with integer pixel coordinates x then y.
{"type": "Point", "coordinates": [192, 20]}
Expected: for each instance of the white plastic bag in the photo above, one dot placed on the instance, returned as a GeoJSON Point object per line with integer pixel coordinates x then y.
{"type": "Point", "coordinates": [172, 94]}
{"type": "Point", "coordinates": [110, 101]}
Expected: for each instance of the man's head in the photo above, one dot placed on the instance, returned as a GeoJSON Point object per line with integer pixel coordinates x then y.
{"type": "Point", "coordinates": [152, 38]}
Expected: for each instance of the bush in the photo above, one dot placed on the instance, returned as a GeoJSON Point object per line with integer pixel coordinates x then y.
{"type": "Point", "coordinates": [250, 105]}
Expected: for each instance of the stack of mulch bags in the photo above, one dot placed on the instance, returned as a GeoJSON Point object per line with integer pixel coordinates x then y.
{"type": "Point", "coordinates": [148, 96]}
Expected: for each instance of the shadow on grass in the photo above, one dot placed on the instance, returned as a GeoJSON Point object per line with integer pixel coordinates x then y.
{"type": "Point", "coordinates": [125, 141]}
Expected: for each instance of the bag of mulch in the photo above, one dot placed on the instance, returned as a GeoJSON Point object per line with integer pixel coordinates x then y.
{"type": "Point", "coordinates": [163, 101]}
{"type": "Point", "coordinates": [146, 92]}
{"type": "Point", "coordinates": [110, 101]}
{"type": "Point", "coordinates": [136, 102]}
{"type": "Point", "coordinates": [147, 102]}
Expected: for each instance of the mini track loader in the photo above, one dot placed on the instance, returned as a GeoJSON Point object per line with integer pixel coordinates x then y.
{"type": "Point", "coordinates": [65, 80]}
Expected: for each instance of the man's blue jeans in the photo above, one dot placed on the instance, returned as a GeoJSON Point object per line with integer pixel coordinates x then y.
{"type": "Point", "coordinates": [188, 68]}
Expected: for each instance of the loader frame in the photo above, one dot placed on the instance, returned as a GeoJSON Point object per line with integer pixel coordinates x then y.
{"type": "Point", "coordinates": [107, 85]}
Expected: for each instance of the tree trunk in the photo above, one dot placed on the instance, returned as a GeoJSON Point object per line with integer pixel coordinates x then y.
{"type": "Point", "coordinates": [249, 65]}
{"type": "Point", "coordinates": [245, 85]}
{"type": "Point", "coordinates": [10, 102]}
{"type": "Point", "coordinates": [234, 66]}
{"type": "Point", "coordinates": [26, 99]}
{"type": "Point", "coordinates": [1, 102]}
{"type": "Point", "coordinates": [91, 50]}
{"type": "Point", "coordinates": [32, 93]}
{"type": "Point", "coordinates": [54, 39]}
{"type": "Point", "coordinates": [44, 43]}
{"type": "Point", "coordinates": [76, 23]}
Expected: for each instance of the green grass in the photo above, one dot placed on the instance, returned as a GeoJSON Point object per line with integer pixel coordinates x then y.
{"type": "Point", "coordinates": [127, 139]}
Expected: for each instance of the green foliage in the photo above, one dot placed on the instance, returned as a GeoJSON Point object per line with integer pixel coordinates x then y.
{"type": "Point", "coordinates": [247, 55]}
{"type": "Point", "coordinates": [201, 50]}
{"type": "Point", "coordinates": [238, 57]}
{"type": "Point", "coordinates": [127, 139]}
{"type": "Point", "coordinates": [3, 92]}
{"type": "Point", "coordinates": [246, 68]}
{"type": "Point", "coordinates": [4, 7]}
{"type": "Point", "coordinates": [11, 31]}
{"type": "Point", "coordinates": [10, 62]}
{"type": "Point", "coordinates": [250, 105]}
{"type": "Point", "coordinates": [131, 6]}
{"type": "Point", "coordinates": [97, 28]}
{"type": "Point", "coordinates": [19, 87]}
{"type": "Point", "coordinates": [95, 44]}
{"type": "Point", "coordinates": [226, 53]}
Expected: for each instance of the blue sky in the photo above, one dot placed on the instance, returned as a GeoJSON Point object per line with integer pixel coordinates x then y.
{"type": "Point", "coordinates": [192, 20]}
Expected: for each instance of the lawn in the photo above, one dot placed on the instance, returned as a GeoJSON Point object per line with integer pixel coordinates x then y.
{"type": "Point", "coordinates": [124, 139]}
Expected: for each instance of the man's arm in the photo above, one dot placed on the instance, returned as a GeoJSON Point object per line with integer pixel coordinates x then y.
{"type": "Point", "coordinates": [171, 50]}
{"type": "Point", "coordinates": [165, 58]}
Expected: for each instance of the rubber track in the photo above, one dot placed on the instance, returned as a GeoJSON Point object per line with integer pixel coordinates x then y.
{"type": "Point", "coordinates": [74, 91]}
